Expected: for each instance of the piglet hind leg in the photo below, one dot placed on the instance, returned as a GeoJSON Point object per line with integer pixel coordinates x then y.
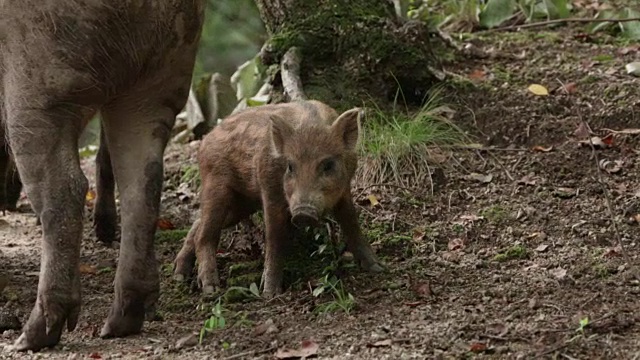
{"type": "Point", "coordinates": [347, 217]}
{"type": "Point", "coordinates": [44, 142]}
{"type": "Point", "coordinates": [137, 128]}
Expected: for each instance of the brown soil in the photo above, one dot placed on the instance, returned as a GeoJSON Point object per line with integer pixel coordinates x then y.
{"type": "Point", "coordinates": [501, 269]}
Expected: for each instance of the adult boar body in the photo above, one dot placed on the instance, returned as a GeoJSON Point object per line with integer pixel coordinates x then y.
{"type": "Point", "coordinates": [61, 61]}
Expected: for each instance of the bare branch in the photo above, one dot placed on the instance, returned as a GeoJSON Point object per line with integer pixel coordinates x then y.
{"type": "Point", "coordinates": [557, 21]}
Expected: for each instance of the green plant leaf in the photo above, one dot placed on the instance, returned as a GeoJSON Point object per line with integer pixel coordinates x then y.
{"type": "Point", "coordinates": [496, 12]}
{"type": "Point", "coordinates": [557, 9]}
{"type": "Point", "coordinates": [254, 289]}
{"type": "Point", "coordinates": [603, 25]}
{"type": "Point", "coordinates": [630, 29]}
{"type": "Point", "coordinates": [317, 291]}
{"type": "Point", "coordinates": [248, 78]}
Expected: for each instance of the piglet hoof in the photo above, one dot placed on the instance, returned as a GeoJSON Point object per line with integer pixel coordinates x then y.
{"type": "Point", "coordinates": [183, 267]}
{"type": "Point", "coordinates": [209, 284]}
{"type": "Point", "coordinates": [208, 279]}
{"type": "Point", "coordinates": [44, 327]}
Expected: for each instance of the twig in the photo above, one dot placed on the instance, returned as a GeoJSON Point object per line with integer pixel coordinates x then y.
{"type": "Point", "coordinates": [557, 21]}
{"type": "Point", "coordinates": [484, 148]}
{"type": "Point", "coordinates": [504, 338]}
{"type": "Point", "coordinates": [552, 350]}
{"type": "Point", "coordinates": [382, 185]}
{"type": "Point", "coordinates": [248, 354]}
{"type": "Point", "coordinates": [290, 74]}
{"type": "Point", "coordinates": [607, 198]}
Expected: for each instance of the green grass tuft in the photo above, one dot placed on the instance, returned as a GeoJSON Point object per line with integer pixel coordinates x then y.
{"type": "Point", "coordinates": [403, 142]}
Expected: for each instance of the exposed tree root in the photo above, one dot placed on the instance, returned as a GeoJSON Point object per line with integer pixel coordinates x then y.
{"type": "Point", "coordinates": [290, 75]}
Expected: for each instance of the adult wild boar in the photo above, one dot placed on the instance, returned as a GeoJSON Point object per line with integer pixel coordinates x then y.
{"type": "Point", "coordinates": [61, 61]}
{"type": "Point", "coordinates": [296, 162]}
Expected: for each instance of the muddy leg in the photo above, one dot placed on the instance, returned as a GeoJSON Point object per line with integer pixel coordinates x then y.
{"type": "Point", "coordinates": [347, 217]}
{"type": "Point", "coordinates": [105, 217]}
{"type": "Point", "coordinates": [215, 204]}
{"type": "Point", "coordinates": [46, 154]}
{"type": "Point", "coordinates": [137, 131]}
{"type": "Point", "coordinates": [276, 219]}
{"type": "Point", "coordinates": [186, 258]}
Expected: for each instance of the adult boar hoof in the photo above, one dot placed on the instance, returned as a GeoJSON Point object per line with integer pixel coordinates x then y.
{"type": "Point", "coordinates": [44, 327]}
{"type": "Point", "coordinates": [122, 325]}
{"type": "Point", "coordinates": [178, 277]}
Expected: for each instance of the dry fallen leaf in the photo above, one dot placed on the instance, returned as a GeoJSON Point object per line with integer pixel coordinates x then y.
{"type": "Point", "coordinates": [528, 180]}
{"type": "Point", "coordinates": [625, 131]}
{"type": "Point", "coordinates": [373, 200]}
{"type": "Point", "coordinates": [267, 327]}
{"type": "Point", "coordinates": [478, 347]}
{"type": "Point", "coordinates": [612, 251]}
{"type": "Point", "coordinates": [570, 88]}
{"type": "Point", "coordinates": [455, 244]}
{"type": "Point", "coordinates": [611, 167]}
{"type": "Point", "coordinates": [479, 177]}
{"type": "Point", "coordinates": [450, 256]}
{"type": "Point", "coordinates": [559, 273]}
{"type": "Point", "coordinates": [542, 148]}
{"type": "Point", "coordinates": [542, 247]}
{"type": "Point", "coordinates": [423, 290]}
{"type": "Point", "coordinates": [582, 131]}
{"type": "Point", "coordinates": [164, 224]}
{"type": "Point", "coordinates": [87, 269]}
{"type": "Point", "coordinates": [596, 141]}
{"type": "Point", "coordinates": [307, 348]}
{"type": "Point", "coordinates": [381, 343]}
{"type": "Point", "coordinates": [471, 218]}
{"type": "Point", "coordinates": [418, 234]}
{"type": "Point", "coordinates": [477, 75]}
{"type": "Point", "coordinates": [538, 89]}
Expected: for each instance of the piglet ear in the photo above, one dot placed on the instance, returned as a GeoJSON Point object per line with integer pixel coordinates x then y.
{"type": "Point", "coordinates": [280, 131]}
{"type": "Point", "coordinates": [347, 127]}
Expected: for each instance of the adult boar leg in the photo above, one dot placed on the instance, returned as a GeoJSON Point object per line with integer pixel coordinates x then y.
{"type": "Point", "coordinates": [44, 142]}
{"type": "Point", "coordinates": [105, 217]}
{"type": "Point", "coordinates": [137, 129]}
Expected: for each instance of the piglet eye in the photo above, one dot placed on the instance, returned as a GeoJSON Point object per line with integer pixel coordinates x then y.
{"type": "Point", "coordinates": [328, 166]}
{"type": "Point", "coordinates": [290, 167]}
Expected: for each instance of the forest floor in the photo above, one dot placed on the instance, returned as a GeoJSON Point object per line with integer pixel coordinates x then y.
{"type": "Point", "coordinates": [521, 261]}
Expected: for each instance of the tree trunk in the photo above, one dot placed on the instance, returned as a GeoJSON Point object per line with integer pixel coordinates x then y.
{"type": "Point", "coordinates": [350, 50]}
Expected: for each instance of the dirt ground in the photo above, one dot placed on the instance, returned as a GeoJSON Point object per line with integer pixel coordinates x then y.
{"type": "Point", "coordinates": [521, 261]}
